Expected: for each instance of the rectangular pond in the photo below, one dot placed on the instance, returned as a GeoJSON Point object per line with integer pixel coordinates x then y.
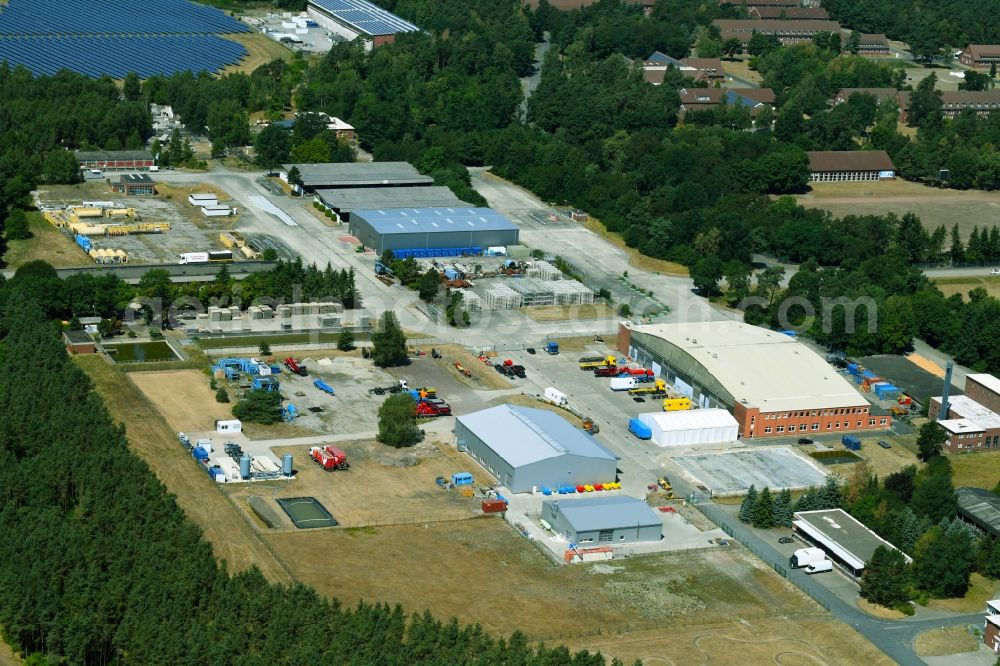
{"type": "Point", "coordinates": [141, 352]}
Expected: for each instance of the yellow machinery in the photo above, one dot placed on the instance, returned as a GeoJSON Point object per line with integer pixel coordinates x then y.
{"type": "Point", "coordinates": [233, 240]}
{"type": "Point", "coordinates": [676, 404]}
{"type": "Point", "coordinates": [607, 361]}
{"type": "Point", "coordinates": [137, 228]}
{"type": "Point", "coordinates": [657, 388]}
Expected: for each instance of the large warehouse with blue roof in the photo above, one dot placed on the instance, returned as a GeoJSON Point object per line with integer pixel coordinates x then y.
{"type": "Point", "coordinates": [432, 232]}
{"type": "Point", "coordinates": [359, 18]}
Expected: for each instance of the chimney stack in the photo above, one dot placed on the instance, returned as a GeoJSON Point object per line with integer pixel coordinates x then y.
{"type": "Point", "coordinates": [945, 405]}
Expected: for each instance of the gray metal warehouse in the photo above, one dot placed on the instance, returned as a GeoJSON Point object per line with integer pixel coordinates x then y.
{"type": "Point", "coordinates": [529, 449]}
{"type": "Point", "coordinates": [603, 520]}
{"type": "Point", "coordinates": [356, 174]}
{"type": "Point", "coordinates": [981, 508]}
{"type": "Point", "coordinates": [845, 539]}
{"type": "Point", "coordinates": [345, 200]}
{"type": "Point", "coordinates": [432, 232]}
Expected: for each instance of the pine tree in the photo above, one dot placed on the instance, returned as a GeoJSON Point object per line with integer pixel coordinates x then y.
{"type": "Point", "coordinates": [991, 567]}
{"type": "Point", "coordinates": [831, 495]}
{"type": "Point", "coordinates": [389, 342]}
{"type": "Point", "coordinates": [885, 578]}
{"type": "Point", "coordinates": [763, 510]}
{"type": "Point", "coordinates": [784, 519]}
{"type": "Point", "coordinates": [746, 507]}
{"type": "Point", "coordinates": [973, 249]}
{"type": "Point", "coordinates": [957, 250]}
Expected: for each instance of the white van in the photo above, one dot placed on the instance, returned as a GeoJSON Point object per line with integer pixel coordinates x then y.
{"type": "Point", "coordinates": [819, 567]}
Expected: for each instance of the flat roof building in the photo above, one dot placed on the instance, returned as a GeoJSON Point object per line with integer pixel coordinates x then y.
{"type": "Point", "coordinates": [115, 160]}
{"type": "Point", "coordinates": [79, 342]}
{"type": "Point", "coordinates": [136, 184]}
{"type": "Point", "coordinates": [359, 18]}
{"type": "Point", "coordinates": [844, 538]}
{"type": "Point", "coordinates": [981, 508]}
{"type": "Point", "coordinates": [850, 165]}
{"type": "Point", "coordinates": [527, 448]}
{"type": "Point", "coordinates": [773, 385]}
{"type": "Point", "coordinates": [972, 421]}
{"type": "Point", "coordinates": [452, 231]}
{"type": "Point", "coordinates": [331, 175]}
{"type": "Point", "coordinates": [347, 199]}
{"type": "Point", "coordinates": [602, 521]}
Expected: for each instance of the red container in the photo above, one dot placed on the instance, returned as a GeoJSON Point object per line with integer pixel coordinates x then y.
{"type": "Point", "coordinates": [581, 489]}
{"type": "Point", "coordinates": [494, 506]}
{"type": "Point", "coordinates": [598, 486]}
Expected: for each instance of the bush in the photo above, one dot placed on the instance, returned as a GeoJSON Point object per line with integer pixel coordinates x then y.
{"type": "Point", "coordinates": [258, 406]}
{"type": "Point", "coordinates": [222, 395]}
{"type": "Point", "coordinates": [155, 334]}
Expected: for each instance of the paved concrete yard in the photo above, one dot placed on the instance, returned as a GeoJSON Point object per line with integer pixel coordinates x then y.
{"type": "Point", "coordinates": [733, 472]}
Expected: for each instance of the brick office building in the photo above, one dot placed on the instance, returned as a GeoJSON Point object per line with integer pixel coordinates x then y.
{"type": "Point", "coordinates": [980, 55]}
{"type": "Point", "coordinates": [973, 419]}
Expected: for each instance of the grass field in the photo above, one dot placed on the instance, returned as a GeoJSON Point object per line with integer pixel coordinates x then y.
{"type": "Point", "coordinates": [469, 568]}
{"type": "Point", "coordinates": [47, 244]}
{"type": "Point", "coordinates": [934, 206]}
{"type": "Point", "coordinates": [155, 442]}
{"type": "Point", "coordinates": [977, 470]}
{"type": "Point", "coordinates": [940, 642]}
{"type": "Point", "coordinates": [980, 591]}
{"type": "Point", "coordinates": [260, 51]}
{"type": "Point", "coordinates": [779, 640]}
{"type": "Point", "coordinates": [274, 340]}
{"type": "Point", "coordinates": [569, 312]}
{"type": "Point", "coordinates": [963, 285]}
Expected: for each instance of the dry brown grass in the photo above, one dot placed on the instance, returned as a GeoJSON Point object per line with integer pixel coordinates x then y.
{"type": "Point", "coordinates": [383, 485]}
{"type": "Point", "coordinates": [483, 376]}
{"type": "Point", "coordinates": [469, 569]}
{"type": "Point", "coordinates": [531, 401]}
{"type": "Point", "coordinates": [635, 258]}
{"type": "Point", "coordinates": [260, 51]}
{"type": "Point", "coordinates": [741, 69]}
{"type": "Point", "coordinates": [884, 462]}
{"type": "Point", "coordinates": [180, 192]}
{"type": "Point", "coordinates": [779, 640]}
{"type": "Point", "coordinates": [964, 285]}
{"type": "Point", "coordinates": [940, 642]}
{"type": "Point", "coordinates": [7, 656]}
{"type": "Point", "coordinates": [981, 590]}
{"type": "Point", "coordinates": [155, 442]}
{"type": "Point", "coordinates": [880, 611]}
{"type": "Point", "coordinates": [976, 470]}
{"type": "Point", "coordinates": [934, 206]}
{"type": "Point", "coordinates": [46, 244]}
{"type": "Point", "coordinates": [569, 312]}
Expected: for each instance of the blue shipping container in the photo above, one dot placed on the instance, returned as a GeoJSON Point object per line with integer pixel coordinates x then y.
{"type": "Point", "coordinates": [462, 479]}
{"type": "Point", "coordinates": [640, 429]}
{"type": "Point", "coordinates": [851, 442]}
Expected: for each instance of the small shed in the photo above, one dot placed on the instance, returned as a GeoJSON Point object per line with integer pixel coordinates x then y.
{"type": "Point", "coordinates": [79, 342]}
{"type": "Point", "coordinates": [217, 210]}
{"type": "Point", "coordinates": [233, 425]}
{"type": "Point", "coordinates": [603, 520]}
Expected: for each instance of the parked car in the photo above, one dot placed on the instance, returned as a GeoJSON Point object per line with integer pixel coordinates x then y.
{"type": "Point", "coordinates": [786, 539]}
{"type": "Point", "coordinates": [995, 271]}
{"type": "Point", "coordinates": [530, 350]}
{"type": "Point", "coordinates": [805, 440]}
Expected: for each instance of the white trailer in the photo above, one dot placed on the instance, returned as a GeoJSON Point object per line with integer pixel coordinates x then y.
{"type": "Point", "coordinates": [193, 258]}
{"type": "Point", "coordinates": [555, 396]}
{"type": "Point", "coordinates": [232, 425]}
{"type": "Point", "coordinates": [819, 567]}
{"type": "Point", "coordinates": [803, 557]}
{"type": "Point", "coordinates": [623, 383]}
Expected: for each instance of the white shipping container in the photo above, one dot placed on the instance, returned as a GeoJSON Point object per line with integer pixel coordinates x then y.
{"type": "Point", "coordinates": [623, 383]}
{"type": "Point", "coordinates": [555, 396]}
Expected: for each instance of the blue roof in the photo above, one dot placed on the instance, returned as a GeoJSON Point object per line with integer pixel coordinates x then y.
{"type": "Point", "coordinates": [364, 17]}
{"type": "Point", "coordinates": [605, 513]}
{"type": "Point", "coordinates": [733, 97]}
{"type": "Point", "coordinates": [524, 435]}
{"type": "Point", "coordinates": [663, 58]}
{"type": "Point", "coordinates": [433, 220]}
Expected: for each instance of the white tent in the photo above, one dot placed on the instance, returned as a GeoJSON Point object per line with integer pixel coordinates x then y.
{"type": "Point", "coordinates": [690, 427]}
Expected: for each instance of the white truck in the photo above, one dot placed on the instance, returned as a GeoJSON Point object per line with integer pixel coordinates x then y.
{"type": "Point", "coordinates": [555, 396]}
{"type": "Point", "coordinates": [623, 383]}
{"type": "Point", "coordinates": [204, 257]}
{"type": "Point", "coordinates": [819, 567]}
{"type": "Point", "coordinates": [803, 557]}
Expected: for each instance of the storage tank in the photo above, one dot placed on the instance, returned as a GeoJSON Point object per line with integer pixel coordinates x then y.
{"type": "Point", "coordinates": [245, 466]}
{"type": "Point", "coordinates": [286, 464]}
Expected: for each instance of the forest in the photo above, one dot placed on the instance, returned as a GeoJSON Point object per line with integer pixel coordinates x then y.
{"type": "Point", "coordinates": [98, 564]}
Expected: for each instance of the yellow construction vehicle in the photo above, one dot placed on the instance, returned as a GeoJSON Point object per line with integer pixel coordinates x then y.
{"type": "Point", "coordinates": [607, 361]}
{"type": "Point", "coordinates": [676, 404]}
{"type": "Point", "coordinates": [656, 389]}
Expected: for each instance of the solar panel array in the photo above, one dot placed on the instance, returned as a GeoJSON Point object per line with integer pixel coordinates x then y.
{"type": "Point", "coordinates": [111, 37]}
{"type": "Point", "coordinates": [365, 17]}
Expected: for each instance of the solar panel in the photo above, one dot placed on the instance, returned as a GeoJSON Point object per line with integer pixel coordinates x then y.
{"type": "Point", "coordinates": [109, 37]}
{"type": "Point", "coordinates": [365, 16]}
